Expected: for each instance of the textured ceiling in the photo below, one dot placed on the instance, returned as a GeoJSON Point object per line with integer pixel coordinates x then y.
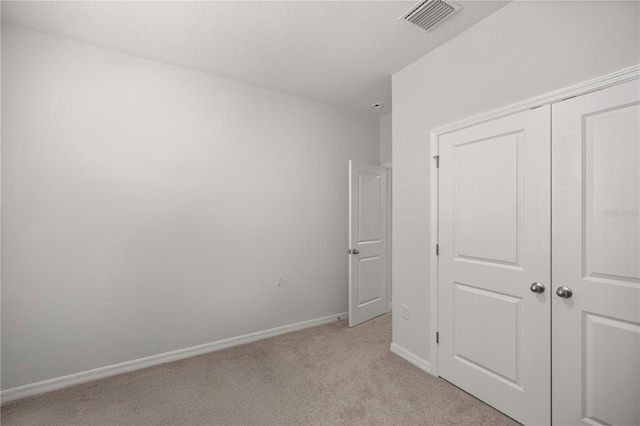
{"type": "Point", "coordinates": [338, 52]}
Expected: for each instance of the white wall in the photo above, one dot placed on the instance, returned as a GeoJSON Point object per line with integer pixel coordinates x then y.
{"type": "Point", "coordinates": [148, 208]}
{"type": "Point", "coordinates": [385, 139]}
{"type": "Point", "coordinates": [525, 49]}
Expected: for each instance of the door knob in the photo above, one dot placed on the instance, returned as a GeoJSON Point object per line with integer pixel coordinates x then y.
{"type": "Point", "coordinates": [537, 287]}
{"type": "Point", "coordinates": [564, 292]}
{"type": "Point", "coordinates": [355, 251]}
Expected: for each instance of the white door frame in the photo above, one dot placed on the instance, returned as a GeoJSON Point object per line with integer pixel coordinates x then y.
{"type": "Point", "coordinates": [388, 278]}
{"type": "Point", "coordinates": [599, 83]}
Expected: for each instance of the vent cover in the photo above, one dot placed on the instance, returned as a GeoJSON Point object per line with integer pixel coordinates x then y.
{"type": "Point", "coordinates": [428, 13]}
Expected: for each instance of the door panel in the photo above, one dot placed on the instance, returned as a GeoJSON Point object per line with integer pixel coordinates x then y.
{"type": "Point", "coordinates": [367, 242]}
{"type": "Point", "coordinates": [496, 353]}
{"type": "Point", "coordinates": [605, 399]}
{"type": "Point", "coordinates": [488, 232]}
{"type": "Point", "coordinates": [369, 207]}
{"type": "Point", "coordinates": [610, 171]}
{"type": "Point", "coordinates": [370, 288]}
{"type": "Point", "coordinates": [596, 253]}
{"type": "Point", "coordinates": [494, 237]}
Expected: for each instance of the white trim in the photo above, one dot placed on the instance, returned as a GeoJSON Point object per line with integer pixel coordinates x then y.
{"type": "Point", "coordinates": [136, 364]}
{"type": "Point", "coordinates": [583, 88]}
{"type": "Point", "coordinates": [411, 357]}
{"type": "Point", "coordinates": [434, 187]}
{"type": "Point", "coordinates": [389, 248]}
{"type": "Point", "coordinates": [618, 77]}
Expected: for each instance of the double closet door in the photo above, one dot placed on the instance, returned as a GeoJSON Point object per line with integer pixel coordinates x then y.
{"type": "Point", "coordinates": [539, 265]}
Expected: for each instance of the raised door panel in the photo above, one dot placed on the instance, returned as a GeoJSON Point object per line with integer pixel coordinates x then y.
{"type": "Point", "coordinates": [369, 207]}
{"type": "Point", "coordinates": [488, 170]}
{"type": "Point", "coordinates": [370, 280]}
{"type": "Point", "coordinates": [498, 353]}
{"type": "Point", "coordinates": [611, 390]}
{"type": "Point", "coordinates": [611, 176]}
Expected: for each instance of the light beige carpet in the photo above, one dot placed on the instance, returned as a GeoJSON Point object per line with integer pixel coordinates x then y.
{"type": "Point", "coordinates": [326, 375]}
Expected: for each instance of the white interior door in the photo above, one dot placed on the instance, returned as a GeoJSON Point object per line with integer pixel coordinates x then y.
{"type": "Point", "coordinates": [367, 242]}
{"type": "Point", "coordinates": [494, 243]}
{"type": "Point", "coordinates": [596, 254]}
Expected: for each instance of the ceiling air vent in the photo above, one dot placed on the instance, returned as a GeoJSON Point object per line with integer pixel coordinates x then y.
{"type": "Point", "coordinates": [428, 13]}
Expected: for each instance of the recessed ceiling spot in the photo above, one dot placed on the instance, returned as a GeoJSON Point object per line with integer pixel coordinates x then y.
{"type": "Point", "coordinates": [428, 13]}
{"type": "Point", "coordinates": [377, 105]}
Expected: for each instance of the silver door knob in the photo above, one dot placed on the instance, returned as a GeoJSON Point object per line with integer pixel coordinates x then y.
{"type": "Point", "coordinates": [564, 292]}
{"type": "Point", "coordinates": [537, 287]}
{"type": "Point", "coordinates": [355, 251]}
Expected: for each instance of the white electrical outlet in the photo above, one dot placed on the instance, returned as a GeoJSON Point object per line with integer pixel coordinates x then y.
{"type": "Point", "coordinates": [405, 312]}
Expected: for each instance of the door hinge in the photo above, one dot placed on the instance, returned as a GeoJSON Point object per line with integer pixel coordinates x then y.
{"type": "Point", "coordinates": [437, 158]}
{"type": "Point", "coordinates": [437, 249]}
{"type": "Point", "coordinates": [437, 337]}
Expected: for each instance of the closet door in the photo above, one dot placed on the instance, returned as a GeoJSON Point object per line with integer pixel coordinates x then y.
{"type": "Point", "coordinates": [596, 258]}
{"type": "Point", "coordinates": [494, 263]}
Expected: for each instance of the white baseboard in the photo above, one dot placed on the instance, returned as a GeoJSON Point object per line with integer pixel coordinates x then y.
{"type": "Point", "coordinates": [411, 357]}
{"type": "Point", "coordinates": [136, 364]}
